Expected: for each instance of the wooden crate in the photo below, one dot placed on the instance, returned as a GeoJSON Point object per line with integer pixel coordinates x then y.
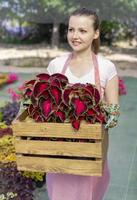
{"type": "Point", "coordinates": [80, 158]}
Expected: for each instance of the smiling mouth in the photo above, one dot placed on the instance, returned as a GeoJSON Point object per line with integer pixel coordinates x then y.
{"type": "Point", "coordinates": [75, 43]}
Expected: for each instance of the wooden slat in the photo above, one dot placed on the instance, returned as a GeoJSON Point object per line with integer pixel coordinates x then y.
{"type": "Point", "coordinates": [40, 148]}
{"type": "Point", "coordinates": [57, 130]}
{"type": "Point", "coordinates": [59, 148]}
{"type": "Point", "coordinates": [79, 167]}
{"type": "Point", "coordinates": [105, 143]}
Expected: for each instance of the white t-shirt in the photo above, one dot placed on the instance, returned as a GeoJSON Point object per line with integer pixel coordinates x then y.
{"type": "Point", "coordinates": [107, 70]}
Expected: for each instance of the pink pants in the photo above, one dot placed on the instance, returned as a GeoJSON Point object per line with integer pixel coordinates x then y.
{"type": "Point", "coordinates": [74, 187]}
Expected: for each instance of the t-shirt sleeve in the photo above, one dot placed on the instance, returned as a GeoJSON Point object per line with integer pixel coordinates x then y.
{"type": "Point", "coordinates": [51, 67]}
{"type": "Point", "coordinates": [112, 71]}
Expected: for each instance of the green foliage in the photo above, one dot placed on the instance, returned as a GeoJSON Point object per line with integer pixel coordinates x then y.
{"type": "Point", "coordinates": [112, 31]}
{"type": "Point", "coordinates": [1, 116]}
{"type": "Point", "coordinates": [56, 11]}
{"type": "Point", "coordinates": [36, 176]}
{"type": "Point", "coordinates": [40, 10]}
{"type": "Point", "coordinates": [109, 26]}
{"type": "Point", "coordinates": [129, 4]}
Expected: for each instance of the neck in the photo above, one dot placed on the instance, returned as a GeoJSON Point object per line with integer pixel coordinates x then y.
{"type": "Point", "coordinates": [82, 55]}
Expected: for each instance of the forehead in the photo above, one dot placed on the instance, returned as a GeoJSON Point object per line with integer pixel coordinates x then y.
{"type": "Point", "coordinates": [81, 21]}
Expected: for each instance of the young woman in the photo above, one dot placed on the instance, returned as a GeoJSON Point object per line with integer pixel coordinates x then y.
{"type": "Point", "coordinates": [84, 65]}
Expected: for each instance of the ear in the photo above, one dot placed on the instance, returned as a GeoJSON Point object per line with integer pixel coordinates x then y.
{"type": "Point", "coordinates": [96, 34]}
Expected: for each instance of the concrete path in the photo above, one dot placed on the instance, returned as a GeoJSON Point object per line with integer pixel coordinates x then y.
{"type": "Point", "coordinates": [124, 57]}
{"type": "Point", "coordinates": [30, 70]}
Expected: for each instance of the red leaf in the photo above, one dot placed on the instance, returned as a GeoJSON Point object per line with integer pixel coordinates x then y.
{"type": "Point", "coordinates": [91, 112]}
{"type": "Point", "coordinates": [35, 115]}
{"type": "Point", "coordinates": [56, 94]}
{"type": "Point", "coordinates": [33, 100]}
{"type": "Point", "coordinates": [97, 96]}
{"type": "Point", "coordinates": [61, 115]}
{"type": "Point", "coordinates": [97, 109]}
{"type": "Point", "coordinates": [62, 106]}
{"type": "Point", "coordinates": [31, 109]}
{"type": "Point", "coordinates": [78, 85]}
{"type": "Point", "coordinates": [79, 106]}
{"type": "Point", "coordinates": [45, 94]}
{"type": "Point", "coordinates": [39, 119]}
{"type": "Point", "coordinates": [75, 124]}
{"type": "Point", "coordinates": [55, 82]}
{"type": "Point", "coordinates": [28, 92]}
{"type": "Point", "coordinates": [39, 88]}
{"type": "Point", "coordinates": [66, 94]}
{"type": "Point", "coordinates": [43, 77]}
{"type": "Point", "coordinates": [90, 119]}
{"type": "Point", "coordinates": [62, 78]}
{"type": "Point", "coordinates": [90, 88]}
{"type": "Point", "coordinates": [31, 82]}
{"type": "Point", "coordinates": [100, 118]}
{"type": "Point", "coordinates": [45, 106]}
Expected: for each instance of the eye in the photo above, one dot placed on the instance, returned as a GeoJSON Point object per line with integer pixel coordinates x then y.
{"type": "Point", "coordinates": [70, 29]}
{"type": "Point", "coordinates": [83, 31]}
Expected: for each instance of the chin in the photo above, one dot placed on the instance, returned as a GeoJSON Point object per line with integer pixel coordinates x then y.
{"type": "Point", "coordinates": [77, 49]}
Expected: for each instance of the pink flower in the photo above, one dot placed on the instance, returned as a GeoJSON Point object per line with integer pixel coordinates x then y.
{"type": "Point", "coordinates": [12, 77]}
{"type": "Point", "coordinates": [14, 95]}
{"type": "Point", "coordinates": [122, 87]}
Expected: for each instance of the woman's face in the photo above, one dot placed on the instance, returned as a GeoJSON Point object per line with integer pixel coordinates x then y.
{"type": "Point", "coordinates": [81, 32]}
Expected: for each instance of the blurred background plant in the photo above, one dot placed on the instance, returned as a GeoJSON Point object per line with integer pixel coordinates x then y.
{"type": "Point", "coordinates": [14, 184]}
{"type": "Point", "coordinates": [21, 184]}
{"type": "Point", "coordinates": [24, 22]}
{"type": "Point", "coordinates": [122, 87]}
{"type": "Point", "coordinates": [7, 78]}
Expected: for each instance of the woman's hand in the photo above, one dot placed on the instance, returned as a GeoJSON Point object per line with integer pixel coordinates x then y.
{"type": "Point", "coordinates": [113, 112]}
{"type": "Point", "coordinates": [112, 107]}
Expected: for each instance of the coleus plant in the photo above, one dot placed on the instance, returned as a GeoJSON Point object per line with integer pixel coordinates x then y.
{"type": "Point", "coordinates": [53, 99]}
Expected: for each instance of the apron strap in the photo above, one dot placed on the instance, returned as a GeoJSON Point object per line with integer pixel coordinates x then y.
{"type": "Point", "coordinates": [96, 69]}
{"type": "Point", "coordinates": [66, 64]}
{"type": "Point", "coordinates": [97, 75]}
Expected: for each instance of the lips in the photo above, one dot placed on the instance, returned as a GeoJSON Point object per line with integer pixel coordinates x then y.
{"type": "Point", "coordinates": [76, 43]}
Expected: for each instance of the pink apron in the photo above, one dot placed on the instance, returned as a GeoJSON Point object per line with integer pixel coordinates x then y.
{"type": "Point", "coordinates": [75, 187]}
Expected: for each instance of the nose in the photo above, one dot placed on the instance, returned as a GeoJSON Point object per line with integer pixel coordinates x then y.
{"type": "Point", "coordinates": [75, 34]}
